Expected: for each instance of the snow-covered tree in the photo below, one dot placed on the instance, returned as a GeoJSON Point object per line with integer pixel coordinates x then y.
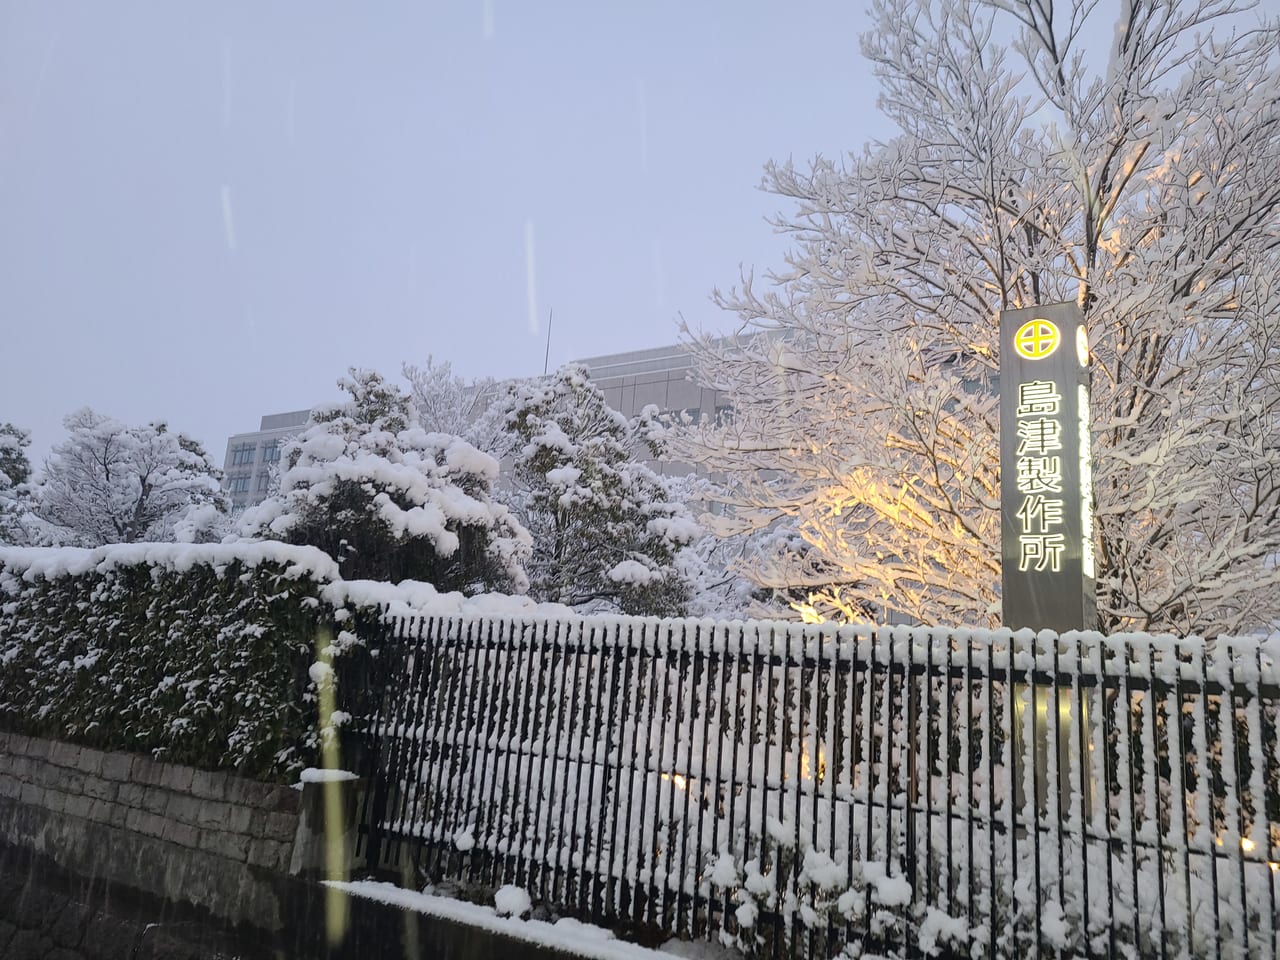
{"type": "Point", "coordinates": [1140, 179]}
{"type": "Point", "coordinates": [15, 471]}
{"type": "Point", "coordinates": [444, 402]}
{"type": "Point", "coordinates": [390, 501]}
{"type": "Point", "coordinates": [15, 468]}
{"type": "Point", "coordinates": [605, 529]}
{"type": "Point", "coordinates": [113, 483]}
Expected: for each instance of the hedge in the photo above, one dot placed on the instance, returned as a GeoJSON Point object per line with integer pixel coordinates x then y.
{"type": "Point", "coordinates": [198, 655]}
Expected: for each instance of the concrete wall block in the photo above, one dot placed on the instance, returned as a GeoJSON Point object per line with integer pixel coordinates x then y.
{"type": "Point", "coordinates": [265, 853]}
{"type": "Point", "coordinates": [280, 826]}
{"type": "Point", "coordinates": [130, 794]}
{"type": "Point", "coordinates": [152, 824]}
{"type": "Point", "coordinates": [209, 785]}
{"type": "Point", "coordinates": [103, 811]}
{"type": "Point", "coordinates": [183, 809]}
{"type": "Point", "coordinates": [117, 766]}
{"type": "Point", "coordinates": [240, 819]}
{"type": "Point", "coordinates": [229, 845]}
{"type": "Point", "coordinates": [236, 790]}
{"type": "Point", "coordinates": [90, 760]}
{"type": "Point", "coordinates": [64, 754]}
{"type": "Point", "coordinates": [101, 789]}
{"type": "Point", "coordinates": [45, 774]}
{"type": "Point", "coordinates": [249, 793]}
{"type": "Point", "coordinates": [155, 799]}
{"type": "Point", "coordinates": [99, 811]}
{"type": "Point", "coordinates": [39, 772]}
{"type": "Point", "coordinates": [69, 781]}
{"type": "Point", "coordinates": [32, 794]}
{"type": "Point", "coordinates": [213, 814]}
{"type": "Point", "coordinates": [19, 768]}
{"type": "Point", "coordinates": [146, 771]}
{"type": "Point", "coordinates": [17, 745]}
{"type": "Point", "coordinates": [54, 801]}
{"type": "Point", "coordinates": [139, 821]}
{"type": "Point", "coordinates": [10, 786]}
{"type": "Point", "coordinates": [180, 833]}
{"type": "Point", "coordinates": [79, 806]}
{"type": "Point", "coordinates": [176, 778]}
{"type": "Point", "coordinates": [38, 748]}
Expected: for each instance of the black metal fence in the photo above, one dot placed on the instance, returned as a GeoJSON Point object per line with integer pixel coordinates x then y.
{"type": "Point", "coordinates": [794, 788]}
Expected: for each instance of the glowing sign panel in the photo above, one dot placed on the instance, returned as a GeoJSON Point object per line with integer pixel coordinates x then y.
{"type": "Point", "coordinates": [1046, 496]}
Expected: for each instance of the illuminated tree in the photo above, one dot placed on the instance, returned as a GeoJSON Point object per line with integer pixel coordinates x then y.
{"type": "Point", "coordinates": [1147, 189]}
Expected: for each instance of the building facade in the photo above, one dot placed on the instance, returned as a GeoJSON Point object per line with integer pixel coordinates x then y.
{"type": "Point", "coordinates": [631, 381]}
{"type": "Point", "coordinates": [247, 465]}
{"type": "Point", "coordinates": [658, 376]}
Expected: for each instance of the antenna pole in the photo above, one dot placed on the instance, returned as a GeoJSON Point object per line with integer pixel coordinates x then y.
{"type": "Point", "coordinates": [551, 312]}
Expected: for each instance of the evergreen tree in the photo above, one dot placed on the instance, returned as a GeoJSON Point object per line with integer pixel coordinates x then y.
{"type": "Point", "coordinates": [15, 471]}
{"type": "Point", "coordinates": [605, 529]}
{"type": "Point", "coordinates": [390, 501]}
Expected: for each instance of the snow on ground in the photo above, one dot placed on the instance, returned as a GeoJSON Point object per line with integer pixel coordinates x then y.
{"type": "Point", "coordinates": [317, 775]}
{"type": "Point", "coordinates": [567, 934]}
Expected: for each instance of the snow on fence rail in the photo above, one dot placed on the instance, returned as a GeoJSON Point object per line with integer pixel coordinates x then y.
{"type": "Point", "coordinates": [797, 788]}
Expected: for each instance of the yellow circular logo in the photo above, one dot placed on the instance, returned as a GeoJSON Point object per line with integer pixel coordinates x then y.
{"type": "Point", "coordinates": [1036, 339]}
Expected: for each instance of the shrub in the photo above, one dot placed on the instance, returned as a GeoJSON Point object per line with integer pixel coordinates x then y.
{"type": "Point", "coordinates": [195, 654]}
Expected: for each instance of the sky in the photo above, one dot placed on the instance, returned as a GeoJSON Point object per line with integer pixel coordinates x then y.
{"type": "Point", "coordinates": [210, 211]}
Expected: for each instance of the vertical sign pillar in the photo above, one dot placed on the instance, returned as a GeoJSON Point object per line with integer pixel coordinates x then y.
{"type": "Point", "coordinates": [1046, 489]}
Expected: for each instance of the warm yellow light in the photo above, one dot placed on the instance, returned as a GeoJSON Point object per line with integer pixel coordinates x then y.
{"type": "Point", "coordinates": [1247, 845]}
{"type": "Point", "coordinates": [806, 764]}
{"type": "Point", "coordinates": [1036, 339]}
{"type": "Point", "coordinates": [677, 779]}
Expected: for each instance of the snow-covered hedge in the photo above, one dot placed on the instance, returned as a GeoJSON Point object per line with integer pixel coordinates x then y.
{"type": "Point", "coordinates": [197, 654]}
{"type": "Point", "coordinates": [203, 654]}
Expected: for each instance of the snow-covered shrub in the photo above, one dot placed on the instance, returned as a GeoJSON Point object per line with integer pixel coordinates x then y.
{"type": "Point", "coordinates": [390, 501]}
{"type": "Point", "coordinates": [196, 654]}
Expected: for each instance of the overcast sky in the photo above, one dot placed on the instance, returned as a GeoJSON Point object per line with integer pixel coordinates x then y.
{"type": "Point", "coordinates": [209, 211]}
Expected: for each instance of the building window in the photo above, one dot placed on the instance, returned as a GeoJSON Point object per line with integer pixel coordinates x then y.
{"type": "Point", "coordinates": [271, 452]}
{"type": "Point", "coordinates": [240, 484]}
{"type": "Point", "coordinates": [242, 454]}
{"type": "Point", "coordinates": [264, 480]}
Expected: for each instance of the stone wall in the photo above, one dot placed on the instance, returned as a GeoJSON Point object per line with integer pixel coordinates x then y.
{"type": "Point", "coordinates": [46, 914]}
{"type": "Point", "coordinates": [211, 840]}
{"type": "Point", "coordinates": [113, 856]}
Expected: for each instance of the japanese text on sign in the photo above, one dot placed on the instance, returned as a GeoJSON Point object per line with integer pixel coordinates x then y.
{"type": "Point", "coordinates": [1039, 476]}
